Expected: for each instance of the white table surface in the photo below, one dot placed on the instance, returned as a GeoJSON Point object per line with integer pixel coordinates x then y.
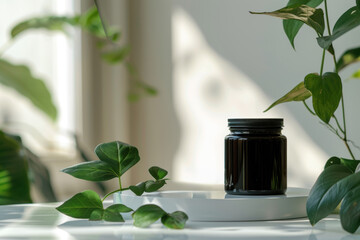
{"type": "Point", "coordinates": [42, 221]}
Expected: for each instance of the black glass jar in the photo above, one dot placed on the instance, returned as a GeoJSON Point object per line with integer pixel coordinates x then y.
{"type": "Point", "coordinates": [255, 157]}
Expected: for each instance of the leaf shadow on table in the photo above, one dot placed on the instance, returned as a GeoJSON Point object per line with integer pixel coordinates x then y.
{"type": "Point", "coordinates": [296, 225]}
{"type": "Point", "coordinates": [87, 223]}
{"type": "Point", "coordinates": [29, 216]}
{"type": "Point", "coordinates": [119, 231]}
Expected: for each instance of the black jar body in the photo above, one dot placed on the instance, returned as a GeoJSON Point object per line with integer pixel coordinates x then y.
{"type": "Point", "coordinates": [255, 157]}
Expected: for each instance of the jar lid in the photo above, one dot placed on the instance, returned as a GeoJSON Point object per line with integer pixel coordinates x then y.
{"type": "Point", "coordinates": [255, 122]}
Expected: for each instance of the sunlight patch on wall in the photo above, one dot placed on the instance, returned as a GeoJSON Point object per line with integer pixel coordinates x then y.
{"type": "Point", "coordinates": [207, 91]}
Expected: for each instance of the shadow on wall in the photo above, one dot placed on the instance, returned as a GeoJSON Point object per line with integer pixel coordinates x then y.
{"type": "Point", "coordinates": [207, 91]}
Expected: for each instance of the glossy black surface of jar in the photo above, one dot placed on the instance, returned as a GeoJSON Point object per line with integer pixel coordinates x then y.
{"type": "Point", "coordinates": [255, 157]}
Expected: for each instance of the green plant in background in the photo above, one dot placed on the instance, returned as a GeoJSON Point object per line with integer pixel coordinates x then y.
{"type": "Point", "coordinates": [21, 79]}
{"type": "Point", "coordinates": [117, 158]}
{"type": "Point", "coordinates": [340, 180]}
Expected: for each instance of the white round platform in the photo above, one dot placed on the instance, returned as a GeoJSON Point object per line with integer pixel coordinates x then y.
{"type": "Point", "coordinates": [219, 206]}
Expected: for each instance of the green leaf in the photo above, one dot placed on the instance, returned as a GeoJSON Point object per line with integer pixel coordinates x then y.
{"type": "Point", "coordinates": [51, 23]}
{"type": "Point", "coordinates": [330, 187]}
{"type": "Point", "coordinates": [139, 189]}
{"type": "Point", "coordinates": [157, 172]}
{"type": "Point", "coordinates": [175, 220]}
{"type": "Point", "coordinates": [14, 181]}
{"type": "Point", "coordinates": [19, 78]}
{"type": "Point", "coordinates": [133, 97]}
{"type": "Point", "coordinates": [96, 215]}
{"type": "Point", "coordinates": [356, 74]}
{"type": "Point", "coordinates": [119, 208]}
{"type": "Point", "coordinates": [147, 214]}
{"type": "Point", "coordinates": [326, 93]}
{"type": "Point", "coordinates": [348, 21]}
{"type": "Point", "coordinates": [117, 55]}
{"type": "Point", "coordinates": [349, 163]}
{"type": "Point", "coordinates": [308, 15]}
{"type": "Point", "coordinates": [348, 57]}
{"type": "Point", "coordinates": [350, 210]}
{"type": "Point", "coordinates": [149, 90]}
{"type": "Point", "coordinates": [90, 21]}
{"type": "Point", "coordinates": [298, 93]}
{"type": "Point", "coordinates": [111, 216]}
{"type": "Point", "coordinates": [152, 186]}
{"type": "Point", "coordinates": [81, 205]}
{"type": "Point", "coordinates": [358, 3]}
{"type": "Point", "coordinates": [120, 156]}
{"type": "Point", "coordinates": [292, 27]}
{"type": "Point", "coordinates": [112, 213]}
{"type": "Point", "coordinates": [91, 171]}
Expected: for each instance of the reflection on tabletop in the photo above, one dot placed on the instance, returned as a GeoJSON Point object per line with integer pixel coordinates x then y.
{"type": "Point", "coordinates": [42, 221]}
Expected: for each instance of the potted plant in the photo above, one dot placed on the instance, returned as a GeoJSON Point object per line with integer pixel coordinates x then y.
{"type": "Point", "coordinates": [340, 180]}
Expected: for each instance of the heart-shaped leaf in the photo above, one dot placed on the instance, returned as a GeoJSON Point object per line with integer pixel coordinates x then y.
{"type": "Point", "coordinates": [348, 57]}
{"type": "Point", "coordinates": [157, 172]}
{"type": "Point", "coordinates": [292, 27]}
{"type": "Point", "coordinates": [147, 214]}
{"type": "Point", "coordinates": [308, 15]}
{"type": "Point", "coordinates": [91, 171]}
{"type": "Point", "coordinates": [348, 21]}
{"type": "Point", "coordinates": [175, 220]}
{"type": "Point", "coordinates": [350, 163]}
{"type": "Point", "coordinates": [111, 216]}
{"type": "Point", "coordinates": [119, 208]}
{"type": "Point", "coordinates": [96, 215]}
{"type": "Point", "coordinates": [81, 205]}
{"type": "Point", "coordinates": [120, 156]}
{"type": "Point", "coordinates": [326, 93]}
{"type": "Point", "coordinates": [152, 186]}
{"type": "Point", "coordinates": [19, 78]}
{"type": "Point", "coordinates": [329, 189]}
{"type": "Point", "coordinates": [350, 210]}
{"type": "Point", "coordinates": [298, 93]}
{"type": "Point", "coordinates": [112, 213]}
{"type": "Point", "coordinates": [139, 189]}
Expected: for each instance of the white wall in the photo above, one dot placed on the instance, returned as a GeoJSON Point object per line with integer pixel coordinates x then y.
{"type": "Point", "coordinates": [235, 59]}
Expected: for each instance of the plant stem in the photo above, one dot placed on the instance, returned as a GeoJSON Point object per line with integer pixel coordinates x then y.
{"type": "Point", "coordinates": [307, 107]}
{"type": "Point", "coordinates": [322, 62]}
{"type": "Point", "coordinates": [342, 94]}
{"type": "Point", "coordinates": [120, 183]}
{"type": "Point", "coordinates": [327, 18]}
{"type": "Point", "coordinates": [118, 190]}
{"type": "Point", "coordinates": [6, 46]}
{"type": "Point", "coordinates": [338, 124]}
{"type": "Point", "coordinates": [103, 23]}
